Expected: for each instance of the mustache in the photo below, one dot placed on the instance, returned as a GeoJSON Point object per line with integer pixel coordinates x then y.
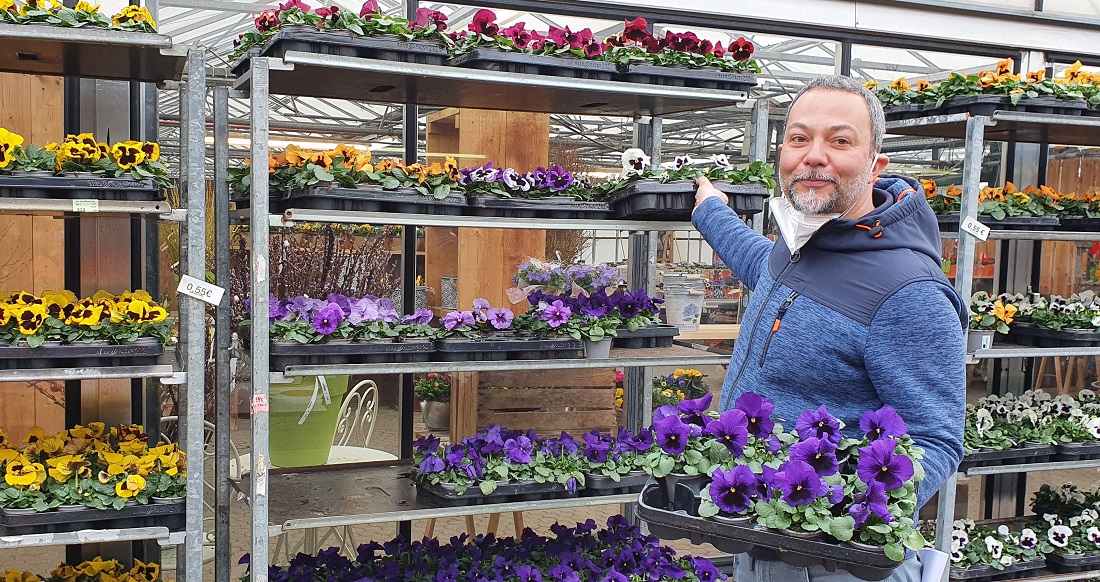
{"type": "Point", "coordinates": [816, 176]}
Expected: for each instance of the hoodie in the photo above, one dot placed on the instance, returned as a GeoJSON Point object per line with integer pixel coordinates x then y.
{"type": "Point", "coordinates": [860, 317]}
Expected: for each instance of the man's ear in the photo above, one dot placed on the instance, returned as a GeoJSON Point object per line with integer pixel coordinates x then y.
{"type": "Point", "coordinates": [881, 161]}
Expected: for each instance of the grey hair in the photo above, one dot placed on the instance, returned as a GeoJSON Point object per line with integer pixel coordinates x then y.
{"type": "Point", "coordinates": [852, 85]}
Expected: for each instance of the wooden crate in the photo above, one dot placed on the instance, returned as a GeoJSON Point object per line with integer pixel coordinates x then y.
{"type": "Point", "coordinates": [548, 401]}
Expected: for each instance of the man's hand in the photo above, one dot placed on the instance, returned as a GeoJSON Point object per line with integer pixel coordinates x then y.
{"type": "Point", "coordinates": [707, 190]}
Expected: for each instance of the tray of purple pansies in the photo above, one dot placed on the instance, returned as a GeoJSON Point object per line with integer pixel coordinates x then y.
{"type": "Point", "coordinates": [542, 193]}
{"type": "Point", "coordinates": [817, 495]}
{"type": "Point", "coordinates": [486, 333]}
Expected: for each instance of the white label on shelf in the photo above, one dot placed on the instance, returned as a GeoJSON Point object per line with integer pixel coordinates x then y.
{"type": "Point", "coordinates": [259, 403]}
{"type": "Point", "coordinates": [979, 230]}
{"type": "Point", "coordinates": [86, 205]}
{"type": "Point", "coordinates": [200, 290]}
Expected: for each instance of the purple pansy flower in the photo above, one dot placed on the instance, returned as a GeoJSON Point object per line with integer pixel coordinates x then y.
{"type": "Point", "coordinates": [426, 443]}
{"type": "Point", "coordinates": [364, 310]}
{"type": "Point", "coordinates": [341, 300]}
{"type": "Point", "coordinates": [817, 453]}
{"type": "Point", "coordinates": [457, 319]}
{"type": "Point", "coordinates": [422, 316]}
{"type": "Point", "coordinates": [596, 448]}
{"type": "Point", "coordinates": [328, 319]}
{"type": "Point", "coordinates": [527, 573]}
{"type": "Point", "coordinates": [818, 423]}
{"type": "Point", "coordinates": [518, 450]}
{"type": "Point", "coordinates": [873, 501]}
{"type": "Point", "coordinates": [695, 411]}
{"type": "Point", "coordinates": [431, 464]}
{"type": "Point", "coordinates": [563, 573]}
{"type": "Point", "coordinates": [558, 179]}
{"type": "Point", "coordinates": [799, 483]}
{"type": "Point", "coordinates": [481, 304]}
{"type": "Point", "coordinates": [511, 178]}
{"type": "Point", "coordinates": [758, 411]}
{"type": "Point", "coordinates": [733, 491]}
{"type": "Point", "coordinates": [672, 434]}
{"type": "Point", "coordinates": [879, 463]}
{"type": "Point", "coordinates": [500, 318]}
{"type": "Point", "coordinates": [556, 314]}
{"type": "Point", "coordinates": [614, 576]}
{"type": "Point", "coordinates": [731, 429]}
{"type": "Point", "coordinates": [883, 422]}
{"type": "Point", "coordinates": [387, 311]}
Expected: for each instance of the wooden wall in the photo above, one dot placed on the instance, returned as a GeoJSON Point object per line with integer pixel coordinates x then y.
{"type": "Point", "coordinates": [1062, 261]}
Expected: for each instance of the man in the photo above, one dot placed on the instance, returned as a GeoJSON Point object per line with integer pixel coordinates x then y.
{"type": "Point", "coordinates": [850, 308]}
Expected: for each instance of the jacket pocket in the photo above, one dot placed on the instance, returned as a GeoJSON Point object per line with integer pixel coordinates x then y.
{"type": "Point", "coordinates": [783, 307]}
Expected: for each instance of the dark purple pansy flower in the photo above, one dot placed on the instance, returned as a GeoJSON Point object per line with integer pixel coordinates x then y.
{"type": "Point", "coordinates": [596, 447]}
{"type": "Point", "coordinates": [595, 305]}
{"type": "Point", "coordinates": [626, 303]}
{"type": "Point", "coordinates": [613, 576]}
{"type": "Point", "coordinates": [733, 491]}
{"type": "Point", "coordinates": [836, 494]}
{"type": "Point", "coordinates": [818, 423]}
{"type": "Point", "coordinates": [563, 445]}
{"type": "Point", "coordinates": [883, 422]}
{"type": "Point", "coordinates": [641, 442]}
{"type": "Point", "coordinates": [817, 453]}
{"type": "Point", "coordinates": [558, 179]}
{"type": "Point", "coordinates": [518, 450]}
{"type": "Point", "coordinates": [758, 411]}
{"type": "Point", "coordinates": [328, 319]}
{"type": "Point", "coordinates": [276, 309]}
{"type": "Point", "coordinates": [500, 318]}
{"type": "Point", "coordinates": [527, 573]}
{"type": "Point", "coordinates": [705, 570]}
{"type": "Point", "coordinates": [431, 464]}
{"type": "Point", "coordinates": [426, 443]}
{"type": "Point", "coordinates": [556, 314]}
{"type": "Point", "coordinates": [879, 463]}
{"type": "Point", "coordinates": [662, 411]}
{"type": "Point", "coordinates": [563, 573]}
{"type": "Point", "coordinates": [731, 429]}
{"type": "Point", "coordinates": [695, 411]}
{"type": "Point", "coordinates": [342, 301]}
{"type": "Point", "coordinates": [799, 483]}
{"type": "Point", "coordinates": [672, 435]}
{"type": "Point", "coordinates": [873, 501]}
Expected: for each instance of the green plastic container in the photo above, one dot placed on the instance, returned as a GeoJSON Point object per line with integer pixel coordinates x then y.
{"type": "Point", "coordinates": [299, 439]}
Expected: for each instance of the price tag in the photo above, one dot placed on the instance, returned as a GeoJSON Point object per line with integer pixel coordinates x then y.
{"type": "Point", "coordinates": [979, 230]}
{"type": "Point", "coordinates": [259, 403]}
{"type": "Point", "coordinates": [86, 205]}
{"type": "Point", "coordinates": [200, 290]}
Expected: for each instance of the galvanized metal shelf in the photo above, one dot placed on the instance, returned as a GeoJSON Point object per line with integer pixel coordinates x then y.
{"type": "Point", "coordinates": [339, 495]}
{"type": "Point", "coordinates": [92, 536]}
{"type": "Point", "coordinates": [342, 77]}
{"type": "Point", "coordinates": [36, 375]}
{"type": "Point", "coordinates": [678, 356]}
{"type": "Point", "coordinates": [1045, 575]}
{"type": "Point", "coordinates": [1029, 467]}
{"type": "Point", "coordinates": [295, 215]}
{"type": "Point", "coordinates": [1031, 234]}
{"type": "Point", "coordinates": [90, 52]}
{"type": "Point", "coordinates": [1007, 350]}
{"type": "Point", "coordinates": [1006, 126]}
{"type": "Point", "coordinates": [52, 206]}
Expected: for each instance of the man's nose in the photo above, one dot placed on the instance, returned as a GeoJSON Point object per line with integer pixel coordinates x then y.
{"type": "Point", "coordinates": [817, 154]}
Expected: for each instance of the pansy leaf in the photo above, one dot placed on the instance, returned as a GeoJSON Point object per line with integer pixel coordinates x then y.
{"type": "Point", "coordinates": [842, 528]}
{"type": "Point", "coordinates": [894, 551]}
{"type": "Point", "coordinates": [881, 528]}
{"type": "Point", "coordinates": [487, 487]}
{"type": "Point", "coordinates": [914, 541]}
{"type": "Point", "coordinates": [707, 508]}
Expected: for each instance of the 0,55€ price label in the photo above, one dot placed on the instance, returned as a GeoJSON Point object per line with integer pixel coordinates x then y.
{"type": "Point", "coordinates": [201, 290]}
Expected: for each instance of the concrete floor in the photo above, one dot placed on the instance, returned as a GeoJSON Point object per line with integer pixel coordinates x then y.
{"type": "Point", "coordinates": [41, 560]}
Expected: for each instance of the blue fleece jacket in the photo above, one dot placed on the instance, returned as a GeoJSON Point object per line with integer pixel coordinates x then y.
{"type": "Point", "coordinates": [859, 317]}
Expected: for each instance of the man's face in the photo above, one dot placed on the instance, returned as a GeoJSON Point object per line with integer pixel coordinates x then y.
{"type": "Point", "coordinates": [825, 162]}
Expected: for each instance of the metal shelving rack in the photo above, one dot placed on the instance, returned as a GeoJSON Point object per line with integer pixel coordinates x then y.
{"type": "Point", "coordinates": [975, 130]}
{"type": "Point", "coordinates": [146, 58]}
{"type": "Point", "coordinates": [298, 73]}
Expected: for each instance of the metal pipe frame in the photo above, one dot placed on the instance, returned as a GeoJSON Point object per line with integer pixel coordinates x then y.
{"type": "Point", "coordinates": [294, 215]}
{"type": "Point", "coordinates": [260, 287]}
{"type": "Point", "coordinates": [222, 372]}
{"type": "Point", "coordinates": [193, 312]}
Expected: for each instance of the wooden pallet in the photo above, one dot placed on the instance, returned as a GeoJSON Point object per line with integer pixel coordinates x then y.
{"type": "Point", "coordinates": [548, 401]}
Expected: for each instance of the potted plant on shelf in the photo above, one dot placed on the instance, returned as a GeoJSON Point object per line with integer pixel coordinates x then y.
{"type": "Point", "coordinates": [988, 317]}
{"type": "Point", "coordinates": [434, 393]}
{"type": "Point", "coordinates": [616, 462]}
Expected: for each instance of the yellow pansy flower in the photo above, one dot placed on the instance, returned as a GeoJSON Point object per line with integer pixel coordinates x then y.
{"type": "Point", "coordinates": [22, 473]}
{"type": "Point", "coordinates": [8, 142]}
{"type": "Point", "coordinates": [130, 486]}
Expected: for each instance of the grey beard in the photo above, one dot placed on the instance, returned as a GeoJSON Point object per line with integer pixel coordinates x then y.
{"type": "Point", "coordinates": [843, 196]}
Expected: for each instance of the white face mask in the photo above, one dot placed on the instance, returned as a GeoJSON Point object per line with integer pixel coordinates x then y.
{"type": "Point", "coordinates": [797, 227]}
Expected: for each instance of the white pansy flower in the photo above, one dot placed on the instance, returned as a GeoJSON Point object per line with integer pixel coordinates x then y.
{"type": "Point", "coordinates": [1076, 521]}
{"type": "Point", "coordinates": [634, 161]}
{"type": "Point", "coordinates": [721, 161]}
{"type": "Point", "coordinates": [994, 547]}
{"type": "Point", "coordinates": [956, 545]}
{"type": "Point", "coordinates": [1028, 539]}
{"type": "Point", "coordinates": [1086, 395]}
{"type": "Point", "coordinates": [1003, 530]}
{"type": "Point", "coordinates": [1059, 535]}
{"type": "Point", "coordinates": [1093, 534]}
{"type": "Point", "coordinates": [957, 556]}
{"type": "Point", "coordinates": [958, 535]}
{"type": "Point", "coordinates": [1090, 515]}
{"type": "Point", "coordinates": [1006, 560]}
{"type": "Point", "coordinates": [1052, 518]}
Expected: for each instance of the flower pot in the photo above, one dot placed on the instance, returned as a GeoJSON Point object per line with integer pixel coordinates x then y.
{"type": "Point", "coordinates": [684, 296]}
{"type": "Point", "coordinates": [19, 511]}
{"type": "Point", "coordinates": [979, 339]}
{"type": "Point", "coordinates": [303, 422]}
{"type": "Point", "coordinates": [733, 519]}
{"type": "Point", "coordinates": [448, 292]}
{"type": "Point", "coordinates": [600, 350]}
{"type": "Point", "coordinates": [34, 173]}
{"type": "Point", "coordinates": [165, 500]}
{"type": "Point", "coordinates": [436, 415]}
{"type": "Point", "coordinates": [805, 535]}
{"type": "Point", "coordinates": [692, 482]}
{"type": "Point", "coordinates": [70, 507]}
{"type": "Point", "coordinates": [131, 504]}
{"type": "Point", "coordinates": [863, 546]}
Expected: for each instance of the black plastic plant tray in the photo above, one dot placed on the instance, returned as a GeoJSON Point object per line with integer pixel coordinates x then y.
{"type": "Point", "coordinates": [366, 199]}
{"type": "Point", "coordinates": [1053, 105]}
{"type": "Point", "coordinates": [650, 336]}
{"type": "Point", "coordinates": [950, 222]}
{"type": "Point", "coordinates": [703, 78]}
{"type": "Point", "coordinates": [653, 200]}
{"type": "Point", "coordinates": [79, 188]}
{"type": "Point", "coordinates": [170, 515]}
{"type": "Point", "coordinates": [505, 493]}
{"type": "Point", "coordinates": [911, 111]}
{"type": "Point", "coordinates": [596, 485]}
{"type": "Point", "coordinates": [985, 573]}
{"type": "Point", "coordinates": [144, 352]}
{"type": "Point", "coordinates": [345, 43]}
{"type": "Point", "coordinates": [285, 354]}
{"type": "Point", "coordinates": [490, 349]}
{"type": "Point", "coordinates": [554, 207]}
{"type": "Point", "coordinates": [1067, 563]}
{"type": "Point", "coordinates": [735, 539]}
{"type": "Point", "coordinates": [972, 104]}
{"type": "Point", "coordinates": [1050, 338]}
{"type": "Point", "coordinates": [1079, 224]}
{"type": "Point", "coordinates": [1078, 451]}
{"type": "Point", "coordinates": [1016, 456]}
{"type": "Point", "coordinates": [491, 59]}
